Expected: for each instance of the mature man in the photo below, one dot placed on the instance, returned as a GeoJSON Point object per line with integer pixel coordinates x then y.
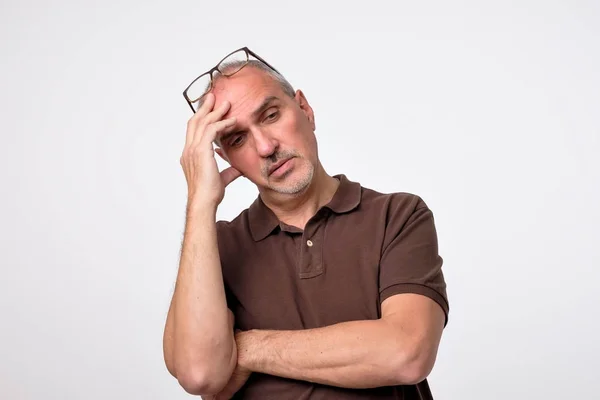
{"type": "Point", "coordinates": [322, 288]}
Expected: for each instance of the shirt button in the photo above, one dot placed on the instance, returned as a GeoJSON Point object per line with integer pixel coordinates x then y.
{"type": "Point", "coordinates": [309, 243]}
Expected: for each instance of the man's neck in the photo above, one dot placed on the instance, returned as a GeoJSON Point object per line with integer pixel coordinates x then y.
{"type": "Point", "coordinates": [296, 210]}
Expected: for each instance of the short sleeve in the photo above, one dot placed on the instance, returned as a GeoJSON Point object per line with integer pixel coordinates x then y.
{"type": "Point", "coordinates": [224, 240]}
{"type": "Point", "coordinates": [410, 262]}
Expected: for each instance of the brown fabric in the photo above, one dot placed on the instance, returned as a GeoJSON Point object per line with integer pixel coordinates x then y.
{"type": "Point", "coordinates": [366, 247]}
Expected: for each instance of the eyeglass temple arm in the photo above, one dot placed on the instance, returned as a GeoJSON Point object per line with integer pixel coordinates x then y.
{"type": "Point", "coordinates": [261, 60]}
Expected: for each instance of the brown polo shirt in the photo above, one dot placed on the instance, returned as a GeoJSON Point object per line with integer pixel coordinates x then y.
{"type": "Point", "coordinates": [355, 252]}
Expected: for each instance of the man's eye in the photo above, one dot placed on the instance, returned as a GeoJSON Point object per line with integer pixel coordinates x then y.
{"type": "Point", "coordinates": [238, 140]}
{"type": "Point", "coordinates": [272, 116]}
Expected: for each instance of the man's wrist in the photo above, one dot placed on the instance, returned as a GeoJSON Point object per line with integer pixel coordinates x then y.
{"type": "Point", "coordinates": [198, 208]}
{"type": "Point", "coordinates": [247, 343]}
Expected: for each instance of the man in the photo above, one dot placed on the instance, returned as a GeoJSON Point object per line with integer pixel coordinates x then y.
{"type": "Point", "coordinates": [321, 289]}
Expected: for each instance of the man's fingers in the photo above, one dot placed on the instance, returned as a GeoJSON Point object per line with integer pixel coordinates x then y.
{"type": "Point", "coordinates": [229, 175]}
{"type": "Point", "coordinates": [207, 106]}
{"type": "Point", "coordinates": [212, 130]}
{"type": "Point", "coordinates": [214, 116]}
{"type": "Point", "coordinates": [194, 121]}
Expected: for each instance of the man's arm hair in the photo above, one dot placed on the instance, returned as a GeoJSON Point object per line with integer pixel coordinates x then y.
{"type": "Point", "coordinates": [198, 342]}
{"type": "Point", "coordinates": [400, 348]}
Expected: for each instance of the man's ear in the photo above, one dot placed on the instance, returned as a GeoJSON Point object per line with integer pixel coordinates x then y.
{"type": "Point", "coordinates": [305, 107]}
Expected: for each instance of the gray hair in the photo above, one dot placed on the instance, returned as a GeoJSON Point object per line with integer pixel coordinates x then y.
{"type": "Point", "coordinates": [280, 79]}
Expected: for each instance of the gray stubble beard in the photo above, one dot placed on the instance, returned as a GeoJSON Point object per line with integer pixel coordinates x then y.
{"type": "Point", "coordinates": [297, 186]}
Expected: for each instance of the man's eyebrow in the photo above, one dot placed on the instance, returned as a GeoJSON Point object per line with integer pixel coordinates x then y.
{"type": "Point", "coordinates": [265, 104]}
{"type": "Point", "coordinates": [225, 136]}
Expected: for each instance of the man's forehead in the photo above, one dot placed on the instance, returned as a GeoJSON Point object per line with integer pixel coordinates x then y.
{"type": "Point", "coordinates": [248, 85]}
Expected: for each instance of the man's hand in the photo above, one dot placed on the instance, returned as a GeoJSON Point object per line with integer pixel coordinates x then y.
{"type": "Point", "coordinates": [205, 183]}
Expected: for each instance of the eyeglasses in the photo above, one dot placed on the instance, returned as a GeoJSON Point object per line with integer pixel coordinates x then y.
{"type": "Point", "coordinates": [229, 65]}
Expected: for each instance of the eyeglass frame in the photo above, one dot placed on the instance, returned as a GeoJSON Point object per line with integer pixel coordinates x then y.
{"type": "Point", "coordinates": [216, 68]}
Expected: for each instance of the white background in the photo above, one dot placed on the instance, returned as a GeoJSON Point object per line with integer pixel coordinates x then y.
{"type": "Point", "coordinates": [488, 110]}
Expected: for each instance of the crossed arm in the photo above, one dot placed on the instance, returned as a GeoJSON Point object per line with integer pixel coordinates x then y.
{"type": "Point", "coordinates": [400, 348]}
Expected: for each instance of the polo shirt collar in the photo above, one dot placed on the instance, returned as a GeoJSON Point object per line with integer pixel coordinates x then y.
{"type": "Point", "coordinates": [263, 221]}
{"type": "Point", "coordinates": [347, 196]}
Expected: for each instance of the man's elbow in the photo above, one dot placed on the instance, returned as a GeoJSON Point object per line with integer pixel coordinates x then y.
{"type": "Point", "coordinates": [205, 375]}
{"type": "Point", "coordinates": [414, 366]}
{"type": "Point", "coordinates": [201, 382]}
{"type": "Point", "coordinates": [202, 377]}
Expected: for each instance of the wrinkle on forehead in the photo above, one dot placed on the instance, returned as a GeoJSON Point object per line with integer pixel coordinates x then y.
{"type": "Point", "coordinates": [245, 91]}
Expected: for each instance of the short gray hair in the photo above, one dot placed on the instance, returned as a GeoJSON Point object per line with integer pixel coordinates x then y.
{"type": "Point", "coordinates": [287, 88]}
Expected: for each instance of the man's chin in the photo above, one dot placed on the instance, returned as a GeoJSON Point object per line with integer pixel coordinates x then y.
{"type": "Point", "coordinates": [292, 183]}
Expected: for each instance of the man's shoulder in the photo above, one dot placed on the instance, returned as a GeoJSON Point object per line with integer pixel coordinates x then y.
{"type": "Point", "coordinates": [395, 200]}
{"type": "Point", "coordinates": [235, 225]}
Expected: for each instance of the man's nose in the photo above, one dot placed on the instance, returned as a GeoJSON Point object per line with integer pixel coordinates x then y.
{"type": "Point", "coordinates": [265, 143]}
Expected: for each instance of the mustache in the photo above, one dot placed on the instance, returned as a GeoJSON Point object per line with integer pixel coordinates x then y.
{"type": "Point", "coordinates": [276, 157]}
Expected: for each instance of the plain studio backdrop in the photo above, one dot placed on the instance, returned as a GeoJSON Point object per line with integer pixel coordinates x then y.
{"type": "Point", "coordinates": [487, 110]}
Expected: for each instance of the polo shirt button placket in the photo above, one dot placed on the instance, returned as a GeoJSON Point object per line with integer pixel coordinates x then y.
{"type": "Point", "coordinates": [310, 259]}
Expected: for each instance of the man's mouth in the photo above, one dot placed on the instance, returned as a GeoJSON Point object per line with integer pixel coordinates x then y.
{"type": "Point", "coordinates": [278, 164]}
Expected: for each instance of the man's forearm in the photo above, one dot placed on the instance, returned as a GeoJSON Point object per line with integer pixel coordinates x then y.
{"type": "Point", "coordinates": [204, 351]}
{"type": "Point", "coordinates": [357, 354]}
